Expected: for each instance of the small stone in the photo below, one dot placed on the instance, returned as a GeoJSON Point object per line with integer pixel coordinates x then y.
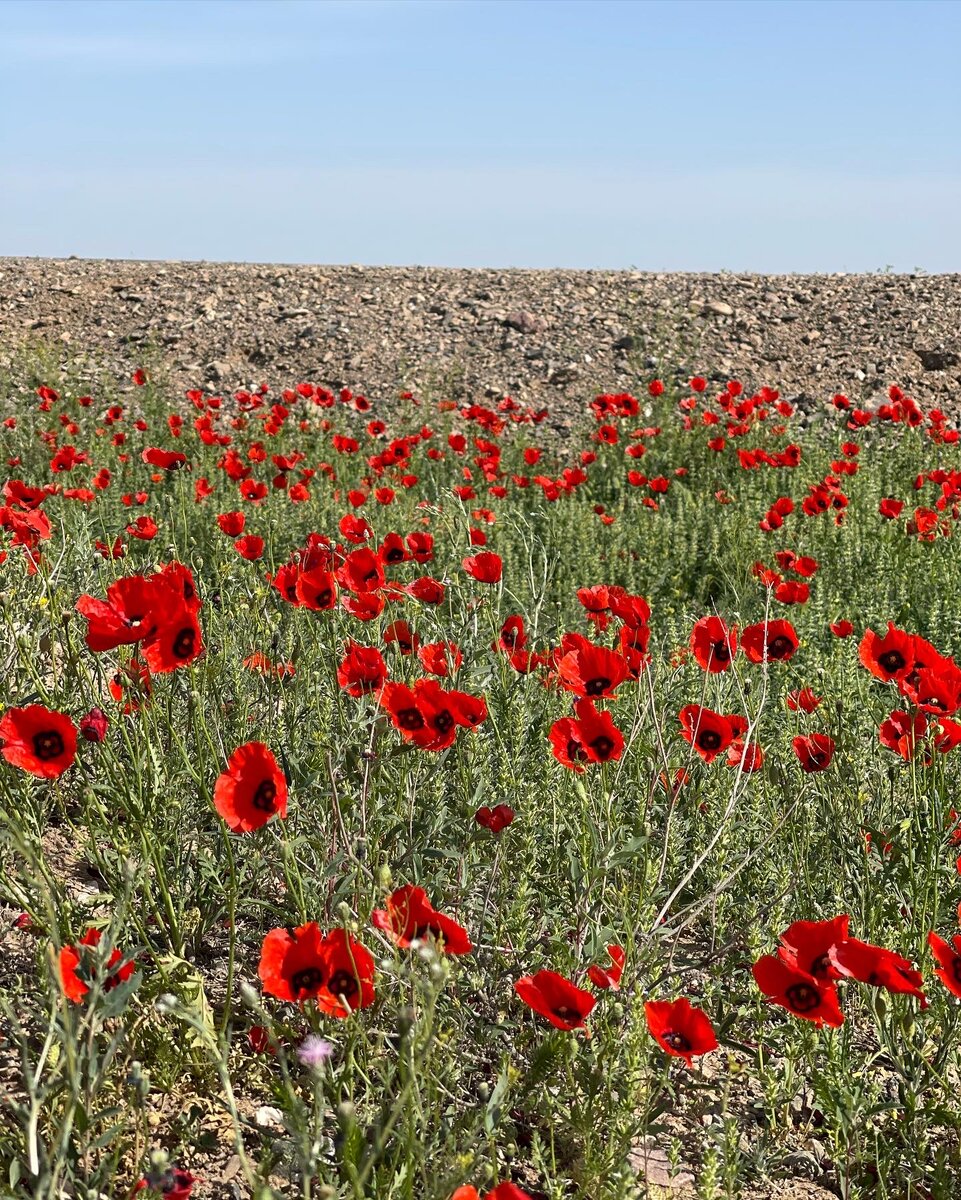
{"type": "Point", "coordinates": [717, 308]}
{"type": "Point", "coordinates": [216, 371]}
{"type": "Point", "coordinates": [938, 359]}
{"type": "Point", "coordinates": [561, 376]}
{"type": "Point", "coordinates": [268, 1117]}
{"type": "Point", "coordinates": [525, 322]}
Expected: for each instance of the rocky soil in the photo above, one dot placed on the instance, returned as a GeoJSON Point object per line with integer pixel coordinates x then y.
{"type": "Point", "coordinates": [545, 337]}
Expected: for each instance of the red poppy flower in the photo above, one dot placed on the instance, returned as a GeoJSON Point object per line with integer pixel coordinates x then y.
{"type": "Point", "coordinates": [876, 966]}
{"type": "Point", "coordinates": [680, 1028]}
{"type": "Point", "coordinates": [315, 589]}
{"type": "Point", "coordinates": [177, 643]}
{"type": "Point", "coordinates": [842, 629]}
{"type": "Point", "coordinates": [814, 752]}
{"type": "Point", "coordinates": [503, 1191]}
{"type": "Point", "coordinates": [361, 571]}
{"type": "Point", "coordinates": [589, 670]}
{"type": "Point", "coordinates": [172, 1184]}
{"type": "Point", "coordinates": [362, 670]}
{"type": "Point", "coordinates": [131, 685]}
{"type": "Point", "coordinates": [902, 732]}
{"type": "Point", "coordinates": [334, 970]}
{"type": "Point", "coordinates": [789, 591]}
{"type": "Point", "coordinates": [292, 963]}
{"type": "Point", "coordinates": [934, 689]}
{"type": "Point", "coordinates": [709, 732]}
{"type": "Point", "coordinates": [512, 636]}
{"type": "Point", "coordinates": [440, 658]}
{"type": "Point", "coordinates": [251, 790]}
{"type": "Point", "coordinates": [495, 819]}
{"type": "Point", "coordinates": [949, 959]}
{"type": "Point", "coordinates": [804, 699]}
{"type": "Point", "coordinates": [797, 991]}
{"type": "Point", "coordinates": [590, 736]}
{"type": "Point", "coordinates": [890, 508]}
{"type": "Point", "coordinates": [806, 946]}
{"type": "Point", "coordinates": [427, 590]}
{"type": "Point", "coordinates": [38, 740]}
{"type": "Point", "coordinates": [355, 529]}
{"type": "Point", "coordinates": [232, 523]}
{"type": "Point", "coordinates": [949, 736]}
{"type": "Point", "coordinates": [556, 998]}
{"type": "Point", "coordinates": [349, 985]}
{"type": "Point", "coordinates": [93, 726]}
{"type": "Point", "coordinates": [890, 657]}
{"type": "Point", "coordinates": [748, 756]}
{"type": "Point", "coordinates": [769, 641]}
{"type": "Point", "coordinates": [443, 711]}
{"type": "Point", "coordinates": [76, 984]}
{"type": "Point", "coordinates": [713, 644]}
{"type": "Point", "coordinates": [484, 567]}
{"type": "Point", "coordinates": [250, 547]}
{"type": "Point", "coordinates": [609, 976]}
{"type": "Point", "coordinates": [167, 460]}
{"type": "Point", "coordinates": [421, 546]}
{"type": "Point", "coordinates": [144, 528]}
{"type": "Point", "coordinates": [130, 612]}
{"type": "Point", "coordinates": [409, 916]}
{"type": "Point", "coordinates": [805, 566]}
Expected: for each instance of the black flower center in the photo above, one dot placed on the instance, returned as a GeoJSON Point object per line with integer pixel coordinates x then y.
{"type": "Point", "coordinates": [342, 983]}
{"type": "Point", "coordinates": [443, 722]}
{"type": "Point", "coordinates": [803, 998]}
{"type": "Point", "coordinates": [48, 745]}
{"type": "Point", "coordinates": [184, 642]}
{"type": "Point", "coordinates": [709, 739]}
{"type": "Point", "coordinates": [779, 647]}
{"type": "Point", "coordinates": [310, 979]}
{"type": "Point", "coordinates": [676, 1041]}
{"type": "Point", "coordinates": [721, 652]}
{"type": "Point", "coordinates": [602, 747]}
{"type": "Point", "coordinates": [565, 1013]}
{"type": "Point", "coordinates": [891, 661]}
{"type": "Point", "coordinates": [264, 796]}
{"type": "Point", "coordinates": [410, 719]}
{"type": "Point", "coordinates": [575, 751]}
{"type": "Point", "coordinates": [422, 932]}
{"type": "Point", "coordinates": [597, 686]}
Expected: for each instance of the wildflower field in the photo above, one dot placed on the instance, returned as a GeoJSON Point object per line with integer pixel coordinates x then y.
{"type": "Point", "coordinates": [412, 801]}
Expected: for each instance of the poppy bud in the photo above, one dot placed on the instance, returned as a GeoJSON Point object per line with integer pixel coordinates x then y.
{"type": "Point", "coordinates": [94, 725]}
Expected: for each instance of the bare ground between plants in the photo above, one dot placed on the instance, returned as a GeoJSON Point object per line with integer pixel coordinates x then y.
{"type": "Point", "coordinates": [544, 337]}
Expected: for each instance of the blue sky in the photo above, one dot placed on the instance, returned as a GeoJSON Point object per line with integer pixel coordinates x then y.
{"type": "Point", "coordinates": [794, 136]}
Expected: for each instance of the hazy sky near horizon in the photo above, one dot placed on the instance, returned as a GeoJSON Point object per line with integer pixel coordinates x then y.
{"type": "Point", "coordinates": [813, 135]}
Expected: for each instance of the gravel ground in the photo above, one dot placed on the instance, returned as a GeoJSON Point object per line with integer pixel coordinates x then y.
{"type": "Point", "coordinates": [545, 337]}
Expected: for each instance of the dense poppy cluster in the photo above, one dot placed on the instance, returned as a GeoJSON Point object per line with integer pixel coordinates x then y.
{"type": "Point", "coordinates": [930, 687]}
{"type": "Point", "coordinates": [814, 956]}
